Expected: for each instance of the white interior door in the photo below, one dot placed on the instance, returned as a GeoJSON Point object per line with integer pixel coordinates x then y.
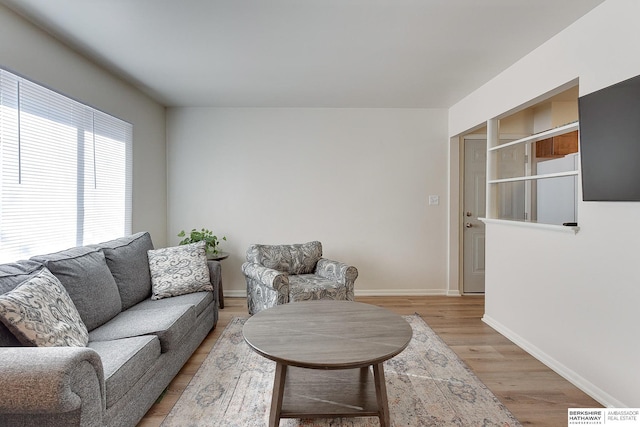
{"type": "Point", "coordinates": [473, 230]}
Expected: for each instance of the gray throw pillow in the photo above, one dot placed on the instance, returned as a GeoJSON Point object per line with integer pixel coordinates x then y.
{"type": "Point", "coordinates": [129, 265]}
{"type": "Point", "coordinates": [84, 273]}
{"type": "Point", "coordinates": [40, 313]}
{"type": "Point", "coordinates": [179, 270]}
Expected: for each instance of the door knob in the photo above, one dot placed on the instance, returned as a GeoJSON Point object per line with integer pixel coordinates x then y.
{"type": "Point", "coordinates": [469, 214]}
{"type": "Point", "coordinates": [468, 225]}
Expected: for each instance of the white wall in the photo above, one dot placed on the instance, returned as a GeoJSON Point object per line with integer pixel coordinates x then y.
{"type": "Point", "coordinates": [34, 54]}
{"type": "Point", "coordinates": [571, 300]}
{"type": "Point", "coordinates": [358, 180]}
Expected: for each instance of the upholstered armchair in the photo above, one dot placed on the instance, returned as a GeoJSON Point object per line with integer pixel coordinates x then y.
{"type": "Point", "coordinates": [279, 274]}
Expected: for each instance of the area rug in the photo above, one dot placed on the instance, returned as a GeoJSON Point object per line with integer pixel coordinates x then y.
{"type": "Point", "coordinates": [427, 385]}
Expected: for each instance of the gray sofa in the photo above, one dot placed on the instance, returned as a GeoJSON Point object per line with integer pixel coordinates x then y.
{"type": "Point", "coordinates": [136, 345]}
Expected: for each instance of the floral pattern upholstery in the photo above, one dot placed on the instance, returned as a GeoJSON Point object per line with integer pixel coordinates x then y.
{"type": "Point", "coordinates": [291, 259]}
{"type": "Point", "coordinates": [41, 313]}
{"type": "Point", "coordinates": [278, 274]}
{"type": "Point", "coordinates": [179, 270]}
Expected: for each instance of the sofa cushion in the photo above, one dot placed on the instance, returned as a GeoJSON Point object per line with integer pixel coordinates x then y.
{"type": "Point", "coordinates": [40, 313]}
{"type": "Point", "coordinates": [293, 259]}
{"type": "Point", "coordinates": [129, 265]}
{"type": "Point", "coordinates": [84, 273]}
{"type": "Point", "coordinates": [11, 275]}
{"type": "Point", "coordinates": [170, 324]}
{"type": "Point", "coordinates": [304, 287]}
{"type": "Point", "coordinates": [200, 301]}
{"type": "Point", "coordinates": [179, 270]}
{"type": "Point", "coordinates": [125, 361]}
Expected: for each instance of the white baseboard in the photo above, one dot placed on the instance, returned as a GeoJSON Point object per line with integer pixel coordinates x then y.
{"type": "Point", "coordinates": [232, 293]}
{"type": "Point", "coordinates": [583, 384]}
{"type": "Point", "coordinates": [398, 292]}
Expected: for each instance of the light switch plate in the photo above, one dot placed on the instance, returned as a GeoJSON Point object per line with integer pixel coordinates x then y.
{"type": "Point", "coordinates": [434, 200]}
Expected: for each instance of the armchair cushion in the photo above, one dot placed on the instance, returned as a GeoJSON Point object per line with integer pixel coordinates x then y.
{"type": "Point", "coordinates": [40, 313]}
{"type": "Point", "coordinates": [291, 259]}
{"type": "Point", "coordinates": [307, 287]}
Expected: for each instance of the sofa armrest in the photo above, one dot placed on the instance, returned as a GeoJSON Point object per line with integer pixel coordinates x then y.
{"type": "Point", "coordinates": [336, 271]}
{"type": "Point", "coordinates": [40, 380]}
{"type": "Point", "coordinates": [274, 279]}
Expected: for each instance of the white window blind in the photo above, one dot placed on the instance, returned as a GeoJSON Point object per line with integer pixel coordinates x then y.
{"type": "Point", "coordinates": [65, 171]}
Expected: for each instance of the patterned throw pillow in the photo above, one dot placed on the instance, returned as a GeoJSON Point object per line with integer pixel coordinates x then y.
{"type": "Point", "coordinates": [179, 270]}
{"type": "Point", "coordinates": [40, 313]}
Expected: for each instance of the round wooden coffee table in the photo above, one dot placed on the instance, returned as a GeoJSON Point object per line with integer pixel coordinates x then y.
{"type": "Point", "coordinates": [323, 351]}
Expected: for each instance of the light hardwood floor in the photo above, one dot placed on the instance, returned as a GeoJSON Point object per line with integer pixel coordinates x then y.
{"type": "Point", "coordinates": [536, 395]}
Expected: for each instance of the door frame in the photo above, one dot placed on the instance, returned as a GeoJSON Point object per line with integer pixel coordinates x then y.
{"type": "Point", "coordinates": [463, 139]}
{"type": "Point", "coordinates": [454, 282]}
{"type": "Point", "coordinates": [456, 217]}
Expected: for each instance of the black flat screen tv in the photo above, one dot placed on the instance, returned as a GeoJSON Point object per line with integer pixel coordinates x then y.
{"type": "Point", "coordinates": [610, 142]}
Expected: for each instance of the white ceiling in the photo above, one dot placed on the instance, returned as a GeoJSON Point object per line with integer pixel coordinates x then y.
{"type": "Point", "coordinates": [305, 53]}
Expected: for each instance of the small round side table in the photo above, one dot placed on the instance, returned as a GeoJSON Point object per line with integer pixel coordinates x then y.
{"type": "Point", "coordinates": [219, 257]}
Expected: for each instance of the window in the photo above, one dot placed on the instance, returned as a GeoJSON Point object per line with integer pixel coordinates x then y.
{"type": "Point", "coordinates": [65, 171]}
{"type": "Point", "coordinates": [532, 188]}
{"type": "Point", "coordinates": [533, 163]}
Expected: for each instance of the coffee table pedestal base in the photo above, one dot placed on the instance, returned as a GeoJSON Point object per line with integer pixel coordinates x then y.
{"type": "Point", "coordinates": [321, 393]}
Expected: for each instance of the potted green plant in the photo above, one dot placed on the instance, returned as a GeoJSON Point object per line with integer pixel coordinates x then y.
{"type": "Point", "coordinates": [203, 234]}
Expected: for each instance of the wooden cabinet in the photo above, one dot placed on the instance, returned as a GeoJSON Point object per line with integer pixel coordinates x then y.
{"type": "Point", "coordinates": [558, 146]}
